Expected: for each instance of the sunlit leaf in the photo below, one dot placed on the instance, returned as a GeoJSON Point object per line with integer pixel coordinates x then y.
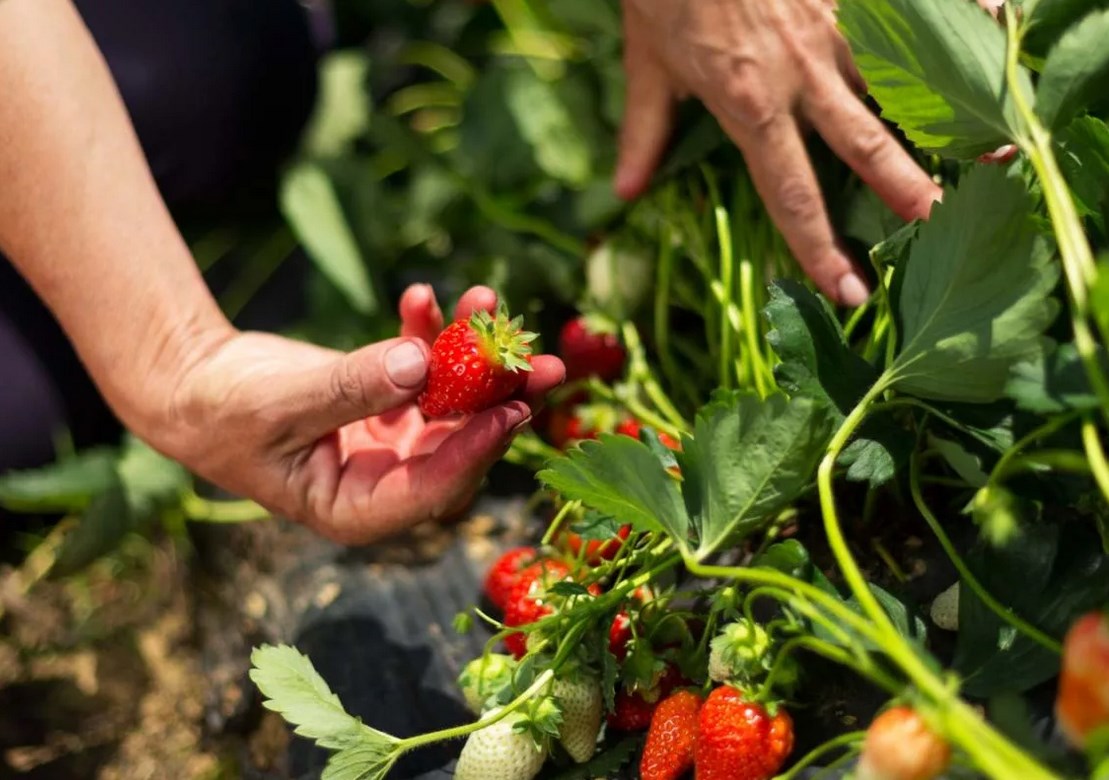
{"type": "Point", "coordinates": [748, 459]}
{"type": "Point", "coordinates": [620, 477]}
{"type": "Point", "coordinates": [937, 69]}
{"type": "Point", "coordinates": [975, 297]}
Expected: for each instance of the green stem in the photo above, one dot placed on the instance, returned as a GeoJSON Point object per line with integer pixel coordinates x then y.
{"type": "Point", "coordinates": [965, 574]}
{"type": "Point", "coordinates": [1099, 466]}
{"type": "Point", "coordinates": [850, 741]}
{"type": "Point", "coordinates": [1079, 267]}
{"type": "Point", "coordinates": [456, 732]}
{"type": "Point", "coordinates": [993, 753]}
{"type": "Point", "coordinates": [1003, 467]}
{"type": "Point", "coordinates": [641, 372]}
{"type": "Point", "coordinates": [724, 236]}
{"type": "Point", "coordinates": [202, 510]}
{"type": "Point", "coordinates": [760, 368]}
{"type": "Point", "coordinates": [556, 524]}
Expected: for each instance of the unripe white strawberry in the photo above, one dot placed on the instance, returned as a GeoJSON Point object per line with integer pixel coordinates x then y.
{"type": "Point", "coordinates": [499, 752]}
{"type": "Point", "coordinates": [945, 609]}
{"type": "Point", "coordinates": [582, 708]}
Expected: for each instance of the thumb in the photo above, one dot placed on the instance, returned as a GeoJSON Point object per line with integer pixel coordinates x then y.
{"type": "Point", "coordinates": [361, 384]}
{"type": "Point", "coordinates": [648, 112]}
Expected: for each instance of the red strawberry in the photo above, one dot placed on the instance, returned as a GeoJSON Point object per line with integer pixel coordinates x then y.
{"type": "Point", "coordinates": [672, 738]}
{"type": "Point", "coordinates": [588, 350]}
{"type": "Point", "coordinates": [1082, 703]}
{"type": "Point", "coordinates": [527, 603]}
{"type": "Point", "coordinates": [632, 710]}
{"type": "Point", "coordinates": [619, 634]}
{"type": "Point", "coordinates": [631, 427]}
{"type": "Point", "coordinates": [502, 575]}
{"type": "Point", "coordinates": [739, 738]}
{"type": "Point", "coordinates": [900, 746]}
{"type": "Point", "coordinates": [475, 364]}
{"type": "Point", "coordinates": [595, 549]}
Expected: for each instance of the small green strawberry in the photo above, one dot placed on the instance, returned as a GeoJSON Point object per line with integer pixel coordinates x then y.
{"type": "Point", "coordinates": [739, 652]}
{"type": "Point", "coordinates": [582, 706]}
{"type": "Point", "coordinates": [475, 364]}
{"type": "Point", "coordinates": [483, 677]}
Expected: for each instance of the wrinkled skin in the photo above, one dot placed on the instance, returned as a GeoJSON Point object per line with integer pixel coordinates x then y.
{"type": "Point", "coordinates": [766, 70]}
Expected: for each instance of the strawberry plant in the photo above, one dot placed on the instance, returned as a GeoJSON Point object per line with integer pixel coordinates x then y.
{"type": "Point", "coordinates": [967, 402]}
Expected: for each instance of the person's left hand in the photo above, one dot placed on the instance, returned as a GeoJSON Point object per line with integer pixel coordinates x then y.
{"type": "Point", "coordinates": [336, 441]}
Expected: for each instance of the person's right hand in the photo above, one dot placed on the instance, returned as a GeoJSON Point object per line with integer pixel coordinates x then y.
{"type": "Point", "coordinates": [763, 68]}
{"type": "Point", "coordinates": [335, 440]}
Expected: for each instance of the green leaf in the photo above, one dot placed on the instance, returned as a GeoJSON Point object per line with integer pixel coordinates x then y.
{"type": "Point", "coordinates": [965, 463]}
{"type": "Point", "coordinates": [1046, 576]}
{"type": "Point", "coordinates": [789, 557]}
{"type": "Point", "coordinates": [107, 519]}
{"type": "Point", "coordinates": [359, 762]}
{"type": "Point", "coordinates": [342, 110]}
{"type": "Point", "coordinates": [748, 459]}
{"type": "Point", "coordinates": [1054, 382]}
{"type": "Point", "coordinates": [548, 124]}
{"type": "Point", "coordinates": [974, 298]}
{"type": "Point", "coordinates": [1083, 153]}
{"type": "Point", "coordinates": [1047, 20]}
{"type": "Point", "coordinates": [937, 69]}
{"type": "Point", "coordinates": [596, 526]}
{"type": "Point", "coordinates": [311, 205]}
{"type": "Point", "coordinates": [151, 480]}
{"type": "Point", "coordinates": [1076, 71]}
{"type": "Point", "coordinates": [67, 485]}
{"type": "Point", "coordinates": [907, 622]}
{"type": "Point", "coordinates": [294, 688]}
{"type": "Point", "coordinates": [817, 362]}
{"type": "Point", "coordinates": [620, 477]}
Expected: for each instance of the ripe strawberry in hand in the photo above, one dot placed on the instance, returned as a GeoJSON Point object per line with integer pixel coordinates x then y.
{"type": "Point", "coordinates": [900, 746]}
{"type": "Point", "coordinates": [1082, 703]}
{"type": "Point", "coordinates": [739, 738]}
{"type": "Point", "coordinates": [502, 575]}
{"type": "Point", "coordinates": [672, 738]}
{"type": "Point", "coordinates": [589, 347]}
{"type": "Point", "coordinates": [475, 364]}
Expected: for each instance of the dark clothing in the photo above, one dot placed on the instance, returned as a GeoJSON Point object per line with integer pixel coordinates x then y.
{"type": "Point", "coordinates": [218, 91]}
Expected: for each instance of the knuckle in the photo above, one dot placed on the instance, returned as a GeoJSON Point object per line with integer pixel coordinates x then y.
{"type": "Point", "coordinates": [798, 200]}
{"type": "Point", "coordinates": [866, 144]}
{"type": "Point", "coordinates": [347, 386]}
{"type": "Point", "coordinates": [750, 101]}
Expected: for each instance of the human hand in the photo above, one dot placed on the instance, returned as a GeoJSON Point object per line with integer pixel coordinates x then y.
{"type": "Point", "coordinates": [763, 69]}
{"type": "Point", "coordinates": [336, 441]}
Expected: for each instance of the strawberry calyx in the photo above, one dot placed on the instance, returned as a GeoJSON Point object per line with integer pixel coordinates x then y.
{"type": "Point", "coordinates": [502, 341]}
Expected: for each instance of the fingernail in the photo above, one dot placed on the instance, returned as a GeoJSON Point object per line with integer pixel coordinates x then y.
{"type": "Point", "coordinates": [406, 365]}
{"type": "Point", "coordinates": [852, 290]}
{"type": "Point", "coordinates": [524, 423]}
